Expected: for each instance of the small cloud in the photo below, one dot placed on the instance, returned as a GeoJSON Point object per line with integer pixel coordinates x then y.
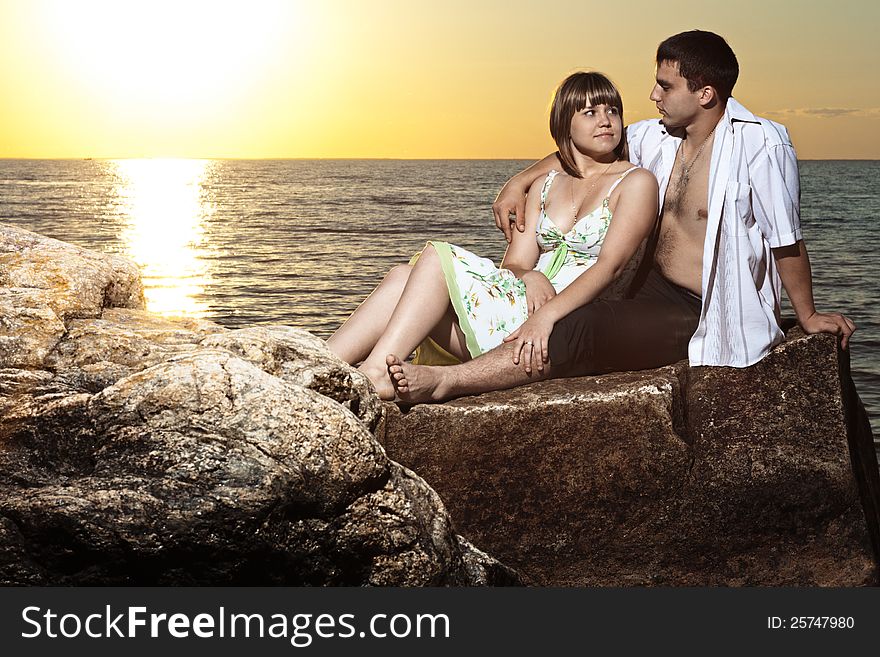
{"type": "Point", "coordinates": [830, 112]}
{"type": "Point", "coordinates": [827, 112]}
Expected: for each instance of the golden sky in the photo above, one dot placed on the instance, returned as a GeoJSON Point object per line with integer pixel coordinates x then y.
{"type": "Point", "coordinates": [401, 78]}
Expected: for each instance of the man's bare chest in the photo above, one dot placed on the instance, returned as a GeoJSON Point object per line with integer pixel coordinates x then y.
{"type": "Point", "coordinates": [686, 203]}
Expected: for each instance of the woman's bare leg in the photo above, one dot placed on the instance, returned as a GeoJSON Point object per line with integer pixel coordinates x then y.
{"type": "Point", "coordinates": [354, 340]}
{"type": "Point", "coordinates": [447, 334]}
{"type": "Point", "coordinates": [422, 306]}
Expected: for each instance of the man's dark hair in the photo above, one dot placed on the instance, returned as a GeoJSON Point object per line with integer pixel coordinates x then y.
{"type": "Point", "coordinates": [704, 59]}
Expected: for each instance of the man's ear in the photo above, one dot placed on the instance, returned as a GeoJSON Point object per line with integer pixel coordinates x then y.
{"type": "Point", "coordinates": [708, 96]}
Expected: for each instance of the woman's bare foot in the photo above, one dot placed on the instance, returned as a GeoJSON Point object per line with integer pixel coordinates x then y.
{"type": "Point", "coordinates": [378, 376]}
{"type": "Point", "coordinates": [415, 383]}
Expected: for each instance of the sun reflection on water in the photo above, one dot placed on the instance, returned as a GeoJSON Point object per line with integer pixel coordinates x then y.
{"type": "Point", "coordinates": [165, 211]}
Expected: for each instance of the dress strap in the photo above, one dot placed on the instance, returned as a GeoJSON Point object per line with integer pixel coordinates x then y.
{"type": "Point", "coordinates": [619, 179]}
{"type": "Point", "coordinates": [546, 188]}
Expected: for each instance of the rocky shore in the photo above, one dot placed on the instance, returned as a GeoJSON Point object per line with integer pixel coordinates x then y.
{"type": "Point", "coordinates": [138, 450]}
{"type": "Point", "coordinates": [675, 476]}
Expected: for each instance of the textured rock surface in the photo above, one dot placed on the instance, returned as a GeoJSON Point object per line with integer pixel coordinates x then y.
{"type": "Point", "coordinates": [141, 450]}
{"type": "Point", "coordinates": [44, 283]}
{"type": "Point", "coordinates": [300, 358]}
{"type": "Point", "coordinates": [95, 353]}
{"type": "Point", "coordinates": [673, 476]}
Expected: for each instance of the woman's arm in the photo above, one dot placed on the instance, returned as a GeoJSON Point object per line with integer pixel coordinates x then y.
{"type": "Point", "coordinates": [522, 253]}
{"type": "Point", "coordinates": [634, 215]}
{"type": "Point", "coordinates": [512, 197]}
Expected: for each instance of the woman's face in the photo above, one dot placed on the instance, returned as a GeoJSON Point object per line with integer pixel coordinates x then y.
{"type": "Point", "coordinates": [596, 129]}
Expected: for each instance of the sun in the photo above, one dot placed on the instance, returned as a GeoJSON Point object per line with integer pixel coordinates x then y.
{"type": "Point", "coordinates": [163, 57]}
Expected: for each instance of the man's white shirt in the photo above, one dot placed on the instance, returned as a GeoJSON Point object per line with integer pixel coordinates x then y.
{"type": "Point", "coordinates": [754, 206]}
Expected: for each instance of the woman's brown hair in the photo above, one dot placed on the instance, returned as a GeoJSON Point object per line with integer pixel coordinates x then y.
{"type": "Point", "coordinates": [577, 91]}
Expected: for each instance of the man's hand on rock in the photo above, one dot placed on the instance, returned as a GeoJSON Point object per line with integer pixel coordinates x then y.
{"type": "Point", "coordinates": [830, 323]}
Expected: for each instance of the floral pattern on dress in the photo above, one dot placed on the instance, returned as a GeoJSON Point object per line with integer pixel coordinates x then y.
{"type": "Point", "coordinates": [490, 302]}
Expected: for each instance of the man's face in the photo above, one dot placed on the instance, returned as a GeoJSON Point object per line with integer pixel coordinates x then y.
{"type": "Point", "coordinates": [677, 104]}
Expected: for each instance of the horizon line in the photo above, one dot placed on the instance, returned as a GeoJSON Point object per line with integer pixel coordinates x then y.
{"type": "Point", "coordinates": [344, 159]}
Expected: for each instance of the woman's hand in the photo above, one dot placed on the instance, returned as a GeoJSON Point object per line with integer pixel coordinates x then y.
{"type": "Point", "coordinates": [539, 290]}
{"type": "Point", "coordinates": [530, 342]}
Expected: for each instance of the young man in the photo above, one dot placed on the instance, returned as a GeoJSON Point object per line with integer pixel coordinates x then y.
{"type": "Point", "coordinates": [729, 231]}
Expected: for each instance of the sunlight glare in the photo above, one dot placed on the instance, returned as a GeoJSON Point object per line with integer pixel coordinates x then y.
{"type": "Point", "coordinates": [163, 204]}
{"type": "Point", "coordinates": [169, 54]}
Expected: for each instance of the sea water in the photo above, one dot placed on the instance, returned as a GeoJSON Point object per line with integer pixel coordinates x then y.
{"type": "Point", "coordinates": [302, 242]}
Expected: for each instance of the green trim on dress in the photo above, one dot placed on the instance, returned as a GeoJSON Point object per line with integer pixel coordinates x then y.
{"type": "Point", "coordinates": [443, 250]}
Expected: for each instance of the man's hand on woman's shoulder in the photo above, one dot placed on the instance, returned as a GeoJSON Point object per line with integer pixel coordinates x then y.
{"type": "Point", "coordinates": [510, 207]}
{"type": "Point", "coordinates": [510, 204]}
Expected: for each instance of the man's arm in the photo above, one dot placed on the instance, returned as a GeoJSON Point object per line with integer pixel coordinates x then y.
{"type": "Point", "coordinates": [776, 188]}
{"type": "Point", "coordinates": [793, 264]}
{"type": "Point", "coordinates": [512, 197]}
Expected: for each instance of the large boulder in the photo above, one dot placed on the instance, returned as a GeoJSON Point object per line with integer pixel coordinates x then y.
{"type": "Point", "coordinates": [676, 476]}
{"type": "Point", "coordinates": [45, 282]}
{"type": "Point", "coordinates": [298, 357]}
{"type": "Point", "coordinates": [139, 450]}
{"type": "Point", "coordinates": [95, 353]}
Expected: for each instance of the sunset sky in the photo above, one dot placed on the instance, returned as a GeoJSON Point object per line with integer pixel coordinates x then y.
{"type": "Point", "coordinates": [401, 78]}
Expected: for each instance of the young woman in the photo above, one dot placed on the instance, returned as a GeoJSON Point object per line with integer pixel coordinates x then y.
{"type": "Point", "coordinates": [569, 253]}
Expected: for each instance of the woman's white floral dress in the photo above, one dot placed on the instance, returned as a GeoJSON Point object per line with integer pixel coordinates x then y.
{"type": "Point", "coordinates": [490, 302]}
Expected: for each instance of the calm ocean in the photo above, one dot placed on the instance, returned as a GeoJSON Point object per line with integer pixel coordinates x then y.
{"type": "Point", "coordinates": [302, 242]}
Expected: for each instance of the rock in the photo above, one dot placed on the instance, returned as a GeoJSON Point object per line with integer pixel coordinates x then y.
{"type": "Point", "coordinates": [674, 476]}
{"type": "Point", "coordinates": [517, 467]}
{"type": "Point", "coordinates": [484, 570]}
{"type": "Point", "coordinates": [95, 353]}
{"type": "Point", "coordinates": [301, 358]}
{"type": "Point", "coordinates": [140, 450]}
{"type": "Point", "coordinates": [406, 524]}
{"type": "Point", "coordinates": [16, 382]}
{"type": "Point", "coordinates": [44, 283]}
{"type": "Point", "coordinates": [204, 469]}
{"type": "Point", "coordinates": [29, 329]}
{"type": "Point", "coordinates": [772, 454]}
{"type": "Point", "coordinates": [321, 456]}
{"type": "Point", "coordinates": [81, 282]}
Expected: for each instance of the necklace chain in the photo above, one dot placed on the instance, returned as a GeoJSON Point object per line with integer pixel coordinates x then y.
{"type": "Point", "coordinates": [684, 178]}
{"type": "Point", "coordinates": [587, 193]}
